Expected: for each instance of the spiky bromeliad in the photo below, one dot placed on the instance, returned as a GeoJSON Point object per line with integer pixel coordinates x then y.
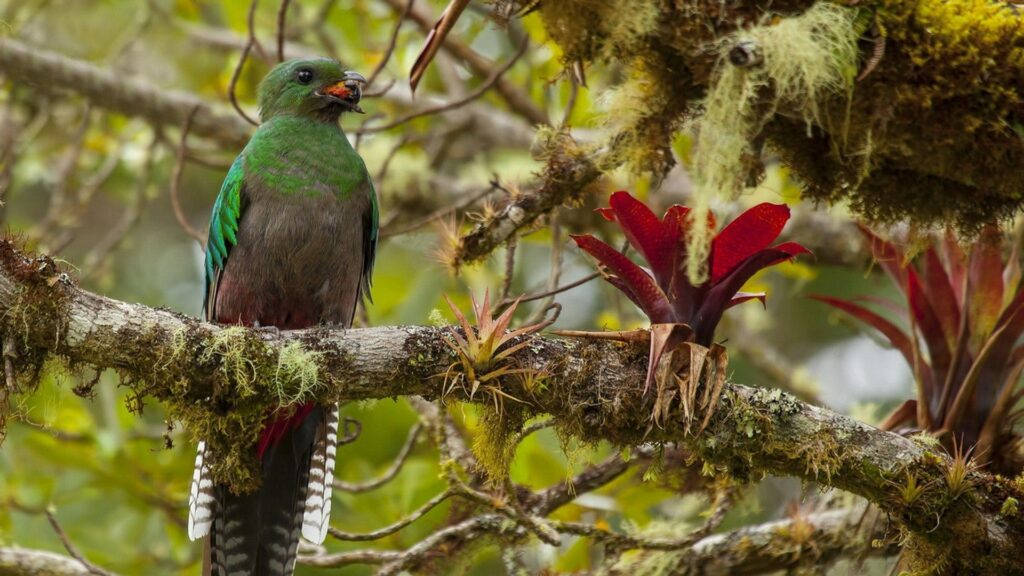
{"type": "Point", "coordinates": [291, 245]}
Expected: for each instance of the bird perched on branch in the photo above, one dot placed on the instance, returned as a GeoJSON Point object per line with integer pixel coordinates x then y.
{"type": "Point", "coordinates": [291, 245]}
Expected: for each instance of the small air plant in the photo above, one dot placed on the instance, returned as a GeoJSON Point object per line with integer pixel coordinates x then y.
{"type": "Point", "coordinates": [681, 313]}
{"type": "Point", "coordinates": [965, 315]}
{"type": "Point", "coordinates": [484, 351]}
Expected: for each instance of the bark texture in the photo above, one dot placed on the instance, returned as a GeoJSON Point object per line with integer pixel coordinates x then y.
{"type": "Point", "coordinates": [216, 379]}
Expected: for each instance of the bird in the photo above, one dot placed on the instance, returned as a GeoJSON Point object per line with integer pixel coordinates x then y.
{"type": "Point", "coordinates": [291, 244]}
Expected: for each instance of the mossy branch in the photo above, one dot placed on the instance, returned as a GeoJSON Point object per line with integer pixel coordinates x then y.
{"type": "Point", "coordinates": [220, 382]}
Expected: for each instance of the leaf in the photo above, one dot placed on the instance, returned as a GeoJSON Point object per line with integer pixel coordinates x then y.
{"type": "Point", "coordinates": [929, 325]}
{"type": "Point", "coordinates": [658, 243]}
{"type": "Point", "coordinates": [956, 259]}
{"type": "Point", "coordinates": [714, 385]}
{"type": "Point", "coordinates": [749, 233]}
{"type": "Point", "coordinates": [896, 337]}
{"type": "Point", "coordinates": [645, 292]}
{"type": "Point", "coordinates": [742, 297]}
{"type": "Point", "coordinates": [941, 296]}
{"type": "Point", "coordinates": [987, 373]}
{"type": "Point", "coordinates": [435, 38]}
{"type": "Point", "coordinates": [904, 413]}
{"type": "Point", "coordinates": [466, 328]}
{"type": "Point", "coordinates": [888, 256]}
{"type": "Point", "coordinates": [721, 293]}
{"type": "Point", "coordinates": [985, 285]}
{"type": "Point", "coordinates": [664, 337]}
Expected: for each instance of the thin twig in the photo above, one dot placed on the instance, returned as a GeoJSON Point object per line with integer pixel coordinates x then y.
{"type": "Point", "coordinates": [241, 63]}
{"type": "Point", "coordinates": [99, 252]}
{"type": "Point", "coordinates": [392, 528]}
{"type": "Point", "coordinates": [510, 267]}
{"type": "Point", "coordinates": [457, 103]}
{"type": "Point", "coordinates": [392, 471]}
{"type": "Point", "coordinates": [387, 232]}
{"type": "Point", "coordinates": [70, 547]}
{"type": "Point", "coordinates": [621, 541]}
{"type": "Point", "coordinates": [282, 17]}
{"type": "Point", "coordinates": [179, 166]}
{"type": "Point", "coordinates": [535, 427]}
{"type": "Point", "coordinates": [392, 42]}
{"type": "Point", "coordinates": [564, 288]}
{"type": "Point", "coordinates": [405, 139]}
{"type": "Point", "coordinates": [574, 90]}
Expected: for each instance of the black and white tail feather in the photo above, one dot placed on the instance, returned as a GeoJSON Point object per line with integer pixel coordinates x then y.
{"type": "Point", "coordinates": [259, 533]}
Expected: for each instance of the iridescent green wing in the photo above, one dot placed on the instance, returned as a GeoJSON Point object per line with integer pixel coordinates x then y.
{"type": "Point", "coordinates": [227, 211]}
{"type": "Point", "coordinates": [371, 230]}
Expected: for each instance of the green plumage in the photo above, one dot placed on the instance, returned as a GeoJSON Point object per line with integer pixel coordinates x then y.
{"type": "Point", "coordinates": [292, 241]}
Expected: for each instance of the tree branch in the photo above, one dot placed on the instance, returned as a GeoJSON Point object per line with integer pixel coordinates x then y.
{"type": "Point", "coordinates": [203, 372]}
{"type": "Point", "coordinates": [28, 562]}
{"type": "Point", "coordinates": [806, 540]}
{"type": "Point", "coordinates": [130, 96]}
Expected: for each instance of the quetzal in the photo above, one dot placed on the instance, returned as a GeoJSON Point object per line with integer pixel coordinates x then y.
{"type": "Point", "coordinates": [291, 245]}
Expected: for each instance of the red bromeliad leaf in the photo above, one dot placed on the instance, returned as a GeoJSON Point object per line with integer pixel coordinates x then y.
{"type": "Point", "coordinates": [658, 243]}
{"type": "Point", "coordinates": [888, 256]}
{"type": "Point", "coordinates": [985, 278]}
{"type": "Point", "coordinates": [749, 233]}
{"type": "Point", "coordinates": [928, 323]}
{"type": "Point", "coordinates": [644, 292]}
{"type": "Point", "coordinates": [606, 213]}
{"type": "Point", "coordinates": [722, 292]}
{"type": "Point", "coordinates": [942, 296]}
{"type": "Point", "coordinates": [905, 413]}
{"type": "Point", "coordinates": [897, 337]}
{"type": "Point", "coordinates": [742, 297]}
{"type": "Point", "coordinates": [984, 381]}
{"type": "Point", "coordinates": [1011, 277]}
{"type": "Point", "coordinates": [957, 267]}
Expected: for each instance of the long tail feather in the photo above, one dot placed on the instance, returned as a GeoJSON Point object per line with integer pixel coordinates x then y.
{"type": "Point", "coordinates": [200, 497]}
{"type": "Point", "coordinates": [259, 533]}
{"type": "Point", "coordinates": [321, 480]}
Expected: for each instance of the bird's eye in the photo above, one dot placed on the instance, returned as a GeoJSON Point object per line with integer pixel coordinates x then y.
{"type": "Point", "coordinates": [304, 76]}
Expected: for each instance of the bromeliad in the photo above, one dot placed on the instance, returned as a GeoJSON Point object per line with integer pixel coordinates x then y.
{"type": "Point", "coordinates": [291, 245]}
{"type": "Point", "coordinates": [679, 311]}
{"type": "Point", "coordinates": [966, 313]}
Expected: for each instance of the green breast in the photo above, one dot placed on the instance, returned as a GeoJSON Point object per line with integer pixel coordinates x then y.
{"type": "Point", "coordinates": [294, 155]}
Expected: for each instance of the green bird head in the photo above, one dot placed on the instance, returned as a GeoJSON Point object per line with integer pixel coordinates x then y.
{"type": "Point", "coordinates": [319, 88]}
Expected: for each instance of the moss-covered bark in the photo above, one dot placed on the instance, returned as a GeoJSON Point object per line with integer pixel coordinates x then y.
{"type": "Point", "coordinates": [931, 131]}
{"type": "Point", "coordinates": [222, 381]}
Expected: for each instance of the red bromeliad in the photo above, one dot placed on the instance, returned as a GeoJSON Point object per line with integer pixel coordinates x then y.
{"type": "Point", "coordinates": [663, 291]}
{"type": "Point", "coordinates": [968, 311]}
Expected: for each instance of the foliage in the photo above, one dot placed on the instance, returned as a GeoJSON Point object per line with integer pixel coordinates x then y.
{"type": "Point", "coordinates": [665, 294]}
{"type": "Point", "coordinates": [966, 313]}
{"type": "Point", "coordinates": [802, 63]}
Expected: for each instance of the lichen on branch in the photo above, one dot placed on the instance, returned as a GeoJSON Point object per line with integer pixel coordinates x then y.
{"type": "Point", "coordinates": [221, 381]}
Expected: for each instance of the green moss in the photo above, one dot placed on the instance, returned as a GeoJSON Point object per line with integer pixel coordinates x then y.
{"type": "Point", "coordinates": [931, 135]}
{"type": "Point", "coordinates": [39, 300]}
{"type": "Point", "coordinates": [1010, 507]}
{"type": "Point", "coordinates": [297, 369]}
{"type": "Point", "coordinates": [232, 350]}
{"type": "Point", "coordinates": [494, 443]}
{"type": "Point", "coordinates": [805, 61]}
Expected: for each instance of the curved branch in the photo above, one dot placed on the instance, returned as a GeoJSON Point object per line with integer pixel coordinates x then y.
{"type": "Point", "coordinates": [29, 562]}
{"type": "Point", "coordinates": [594, 391]}
{"type": "Point", "coordinates": [130, 96]}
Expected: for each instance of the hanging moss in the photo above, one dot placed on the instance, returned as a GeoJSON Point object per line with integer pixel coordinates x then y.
{"type": "Point", "coordinates": [932, 134]}
{"type": "Point", "coordinates": [495, 441]}
{"type": "Point", "coordinates": [799, 65]}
